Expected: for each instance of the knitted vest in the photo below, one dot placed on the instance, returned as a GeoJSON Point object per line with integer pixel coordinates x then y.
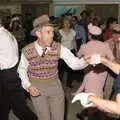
{"type": "Point", "coordinates": [42, 68]}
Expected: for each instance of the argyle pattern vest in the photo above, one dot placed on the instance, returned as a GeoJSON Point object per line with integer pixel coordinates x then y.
{"type": "Point", "coordinates": [42, 68]}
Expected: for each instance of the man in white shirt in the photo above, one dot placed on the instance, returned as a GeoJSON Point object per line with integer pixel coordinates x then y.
{"type": "Point", "coordinates": [11, 91]}
{"type": "Point", "coordinates": [38, 70]}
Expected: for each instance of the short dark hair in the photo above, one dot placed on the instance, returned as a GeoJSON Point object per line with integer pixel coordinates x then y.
{"type": "Point", "coordinates": [97, 37]}
{"type": "Point", "coordinates": [75, 17]}
{"type": "Point", "coordinates": [84, 12]}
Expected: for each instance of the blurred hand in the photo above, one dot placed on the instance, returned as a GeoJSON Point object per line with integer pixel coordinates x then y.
{"type": "Point", "coordinates": [33, 91]}
{"type": "Point", "coordinates": [93, 59]}
{"type": "Point", "coordinates": [84, 99]}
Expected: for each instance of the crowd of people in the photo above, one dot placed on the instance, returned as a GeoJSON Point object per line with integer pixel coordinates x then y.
{"type": "Point", "coordinates": [35, 55]}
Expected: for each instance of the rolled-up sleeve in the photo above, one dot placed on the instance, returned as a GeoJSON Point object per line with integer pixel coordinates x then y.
{"type": "Point", "coordinates": [22, 70]}
{"type": "Point", "coordinates": [73, 62]}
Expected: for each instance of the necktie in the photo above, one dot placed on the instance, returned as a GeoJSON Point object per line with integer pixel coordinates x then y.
{"type": "Point", "coordinates": [44, 52]}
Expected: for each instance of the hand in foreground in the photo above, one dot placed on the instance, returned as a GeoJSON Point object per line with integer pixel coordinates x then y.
{"type": "Point", "coordinates": [93, 59]}
{"type": "Point", "coordinates": [84, 99]}
{"type": "Point", "coordinates": [33, 91]}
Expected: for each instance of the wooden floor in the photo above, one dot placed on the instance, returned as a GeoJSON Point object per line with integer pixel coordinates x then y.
{"type": "Point", "coordinates": [71, 109]}
{"type": "Point", "coordinates": [13, 117]}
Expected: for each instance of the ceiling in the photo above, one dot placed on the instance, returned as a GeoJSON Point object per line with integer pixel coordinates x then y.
{"type": "Point", "coordinates": [21, 1]}
{"type": "Point", "coordinates": [65, 1]}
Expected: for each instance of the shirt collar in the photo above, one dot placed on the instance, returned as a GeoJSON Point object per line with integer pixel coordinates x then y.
{"type": "Point", "coordinates": [40, 48]}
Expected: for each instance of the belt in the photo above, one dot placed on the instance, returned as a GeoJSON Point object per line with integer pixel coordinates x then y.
{"type": "Point", "coordinates": [8, 69]}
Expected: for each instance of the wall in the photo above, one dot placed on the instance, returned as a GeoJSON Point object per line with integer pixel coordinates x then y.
{"type": "Point", "coordinates": [35, 9]}
{"type": "Point", "coordinates": [15, 8]}
{"type": "Point", "coordinates": [50, 8]}
{"type": "Point", "coordinates": [89, 1]}
{"type": "Point", "coordinates": [57, 9]}
{"type": "Point", "coordinates": [119, 13]}
{"type": "Point", "coordinates": [104, 10]}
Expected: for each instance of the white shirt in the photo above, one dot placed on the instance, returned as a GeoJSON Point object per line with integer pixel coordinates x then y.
{"type": "Point", "coordinates": [67, 38]}
{"type": "Point", "coordinates": [8, 49]}
{"type": "Point", "coordinates": [65, 54]}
